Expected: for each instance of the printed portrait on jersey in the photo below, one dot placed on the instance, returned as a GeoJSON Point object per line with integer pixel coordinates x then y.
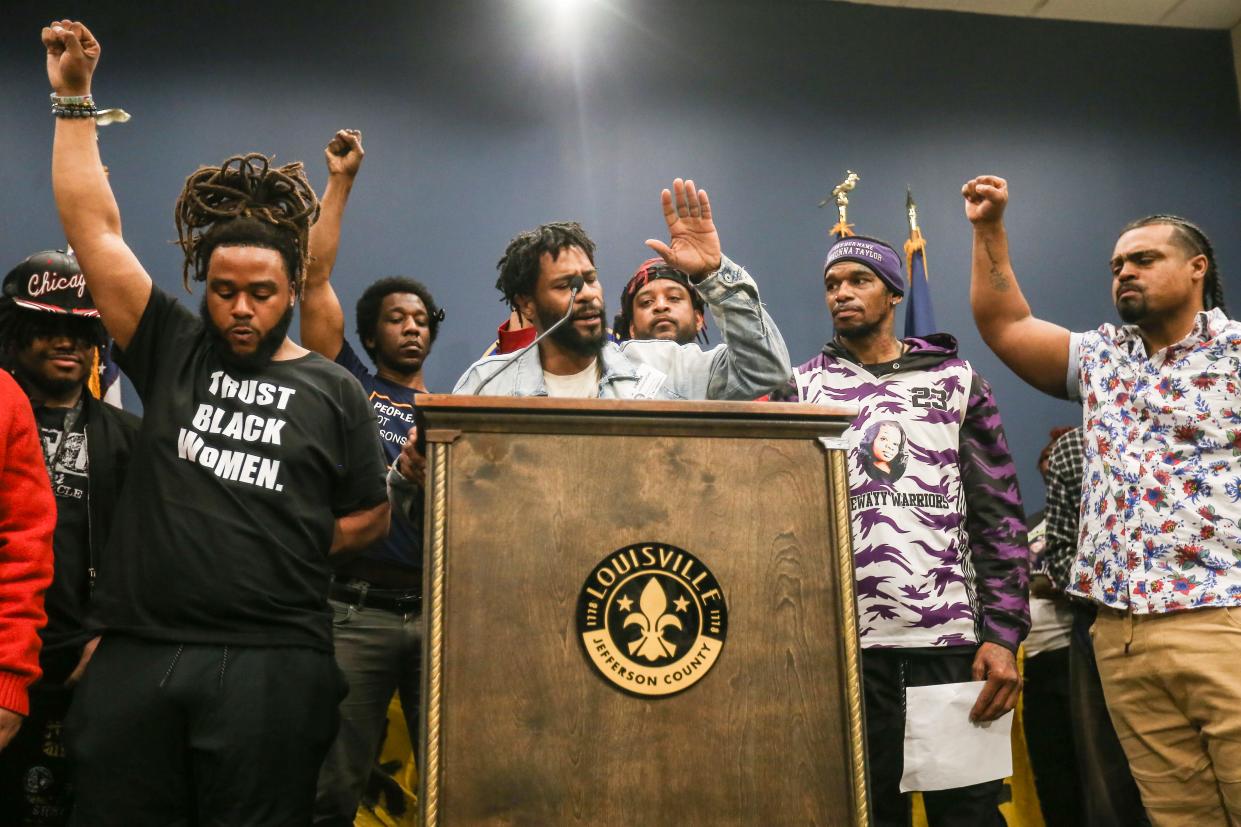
{"type": "Point", "coordinates": [883, 451]}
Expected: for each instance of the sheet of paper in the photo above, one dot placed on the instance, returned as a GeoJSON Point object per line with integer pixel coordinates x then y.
{"type": "Point", "coordinates": [943, 748]}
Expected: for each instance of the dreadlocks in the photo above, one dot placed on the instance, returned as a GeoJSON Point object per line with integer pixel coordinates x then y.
{"type": "Point", "coordinates": [519, 268]}
{"type": "Point", "coordinates": [246, 202]}
{"type": "Point", "coordinates": [16, 331]}
{"type": "Point", "coordinates": [1189, 237]}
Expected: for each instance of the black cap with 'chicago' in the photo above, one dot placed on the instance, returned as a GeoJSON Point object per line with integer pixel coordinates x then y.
{"type": "Point", "coordinates": [52, 282]}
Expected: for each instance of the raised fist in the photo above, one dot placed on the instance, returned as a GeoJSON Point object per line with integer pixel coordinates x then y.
{"type": "Point", "coordinates": [72, 53]}
{"type": "Point", "coordinates": [344, 153]}
{"type": "Point", "coordinates": [985, 199]}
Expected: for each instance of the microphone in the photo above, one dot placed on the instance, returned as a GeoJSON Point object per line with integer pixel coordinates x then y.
{"type": "Point", "coordinates": [575, 286]}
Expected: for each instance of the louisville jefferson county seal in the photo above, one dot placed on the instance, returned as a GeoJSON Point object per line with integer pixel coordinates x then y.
{"type": "Point", "coordinates": [652, 619]}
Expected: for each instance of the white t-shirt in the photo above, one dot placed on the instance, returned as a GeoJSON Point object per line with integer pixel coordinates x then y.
{"type": "Point", "coordinates": [582, 385]}
{"type": "Point", "coordinates": [1051, 621]}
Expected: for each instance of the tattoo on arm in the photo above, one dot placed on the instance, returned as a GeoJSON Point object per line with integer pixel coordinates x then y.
{"type": "Point", "coordinates": [999, 281]}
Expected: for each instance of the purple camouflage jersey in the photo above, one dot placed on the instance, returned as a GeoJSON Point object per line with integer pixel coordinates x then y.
{"type": "Point", "coordinates": [939, 537]}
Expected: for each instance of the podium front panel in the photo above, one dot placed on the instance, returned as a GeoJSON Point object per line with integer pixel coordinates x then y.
{"type": "Point", "coordinates": [521, 728]}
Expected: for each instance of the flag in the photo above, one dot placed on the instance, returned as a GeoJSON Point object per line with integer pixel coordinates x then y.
{"type": "Point", "coordinates": [102, 382]}
{"type": "Point", "coordinates": [919, 314]}
{"type": "Point", "coordinates": [104, 374]}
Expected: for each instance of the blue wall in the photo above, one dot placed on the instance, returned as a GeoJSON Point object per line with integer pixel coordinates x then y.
{"type": "Point", "coordinates": [486, 117]}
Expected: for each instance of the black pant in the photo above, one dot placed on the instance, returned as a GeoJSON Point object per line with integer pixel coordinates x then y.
{"type": "Point", "coordinates": [172, 734]}
{"type": "Point", "coordinates": [1050, 738]}
{"type": "Point", "coordinates": [885, 674]}
{"type": "Point", "coordinates": [35, 787]}
{"type": "Point", "coordinates": [1110, 797]}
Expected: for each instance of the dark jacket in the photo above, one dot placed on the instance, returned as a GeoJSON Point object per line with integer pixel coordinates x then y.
{"type": "Point", "coordinates": [110, 437]}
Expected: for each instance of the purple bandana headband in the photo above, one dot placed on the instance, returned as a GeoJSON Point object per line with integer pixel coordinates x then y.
{"type": "Point", "coordinates": [871, 253]}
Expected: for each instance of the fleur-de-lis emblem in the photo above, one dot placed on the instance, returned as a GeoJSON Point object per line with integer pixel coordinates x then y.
{"type": "Point", "coordinates": [653, 618]}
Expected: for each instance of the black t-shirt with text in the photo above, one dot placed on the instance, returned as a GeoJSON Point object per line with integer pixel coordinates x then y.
{"type": "Point", "coordinates": [228, 511]}
{"type": "Point", "coordinates": [67, 597]}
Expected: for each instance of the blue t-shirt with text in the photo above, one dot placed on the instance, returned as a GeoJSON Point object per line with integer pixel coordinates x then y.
{"type": "Point", "coordinates": [394, 415]}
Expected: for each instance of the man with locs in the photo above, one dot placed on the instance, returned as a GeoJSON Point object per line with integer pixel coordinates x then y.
{"type": "Point", "coordinates": [537, 274]}
{"type": "Point", "coordinates": [1159, 546]}
{"type": "Point", "coordinates": [548, 274]}
{"type": "Point", "coordinates": [938, 530]}
{"type": "Point", "coordinates": [213, 695]}
{"type": "Point", "coordinates": [660, 302]}
{"type": "Point", "coordinates": [376, 595]}
{"type": "Point", "coordinates": [50, 334]}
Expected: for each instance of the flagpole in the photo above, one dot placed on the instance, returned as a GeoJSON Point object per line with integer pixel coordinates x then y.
{"type": "Point", "coordinates": [911, 211]}
{"type": "Point", "coordinates": [919, 314]}
{"type": "Point", "coordinates": [916, 243]}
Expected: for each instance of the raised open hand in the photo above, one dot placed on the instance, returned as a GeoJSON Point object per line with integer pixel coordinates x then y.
{"type": "Point", "coordinates": [72, 54]}
{"type": "Point", "coordinates": [985, 199]}
{"type": "Point", "coordinates": [694, 246]}
{"type": "Point", "coordinates": [344, 153]}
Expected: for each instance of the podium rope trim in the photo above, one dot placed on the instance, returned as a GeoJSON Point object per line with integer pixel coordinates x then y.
{"type": "Point", "coordinates": [439, 510]}
{"type": "Point", "coordinates": [839, 476]}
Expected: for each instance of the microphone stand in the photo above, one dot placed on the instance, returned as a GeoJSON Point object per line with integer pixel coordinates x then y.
{"type": "Point", "coordinates": [575, 286]}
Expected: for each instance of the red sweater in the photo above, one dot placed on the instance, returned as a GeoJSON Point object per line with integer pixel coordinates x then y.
{"type": "Point", "coordinates": [27, 520]}
{"type": "Point", "coordinates": [509, 340]}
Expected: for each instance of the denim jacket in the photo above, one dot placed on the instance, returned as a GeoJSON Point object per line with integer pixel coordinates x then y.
{"type": "Point", "coordinates": [752, 360]}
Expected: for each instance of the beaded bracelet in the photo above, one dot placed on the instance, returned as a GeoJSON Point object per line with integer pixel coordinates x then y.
{"type": "Point", "coordinates": [73, 106]}
{"type": "Point", "coordinates": [74, 112]}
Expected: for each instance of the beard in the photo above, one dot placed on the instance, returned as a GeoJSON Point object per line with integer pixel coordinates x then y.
{"type": "Point", "coordinates": [47, 386]}
{"type": "Point", "coordinates": [1132, 308]}
{"type": "Point", "coordinates": [683, 333]}
{"type": "Point", "coordinates": [859, 330]}
{"type": "Point", "coordinates": [260, 357]}
{"type": "Point", "coordinates": [568, 337]}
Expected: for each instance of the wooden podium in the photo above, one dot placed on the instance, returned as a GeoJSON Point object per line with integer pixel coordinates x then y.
{"type": "Point", "coordinates": [720, 527]}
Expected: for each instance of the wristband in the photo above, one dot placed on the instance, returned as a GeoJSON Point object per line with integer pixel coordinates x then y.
{"type": "Point", "coordinates": [72, 101]}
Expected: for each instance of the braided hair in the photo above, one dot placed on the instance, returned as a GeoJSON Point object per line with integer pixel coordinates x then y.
{"type": "Point", "coordinates": [1190, 238]}
{"type": "Point", "coordinates": [245, 201]}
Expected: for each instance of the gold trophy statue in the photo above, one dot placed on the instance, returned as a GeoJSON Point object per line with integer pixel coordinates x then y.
{"type": "Point", "coordinates": [840, 195]}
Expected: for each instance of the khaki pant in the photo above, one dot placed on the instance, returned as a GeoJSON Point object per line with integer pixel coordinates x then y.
{"type": "Point", "coordinates": [1173, 688]}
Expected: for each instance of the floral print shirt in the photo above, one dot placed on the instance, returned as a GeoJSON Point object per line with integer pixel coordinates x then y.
{"type": "Point", "coordinates": [1161, 498]}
